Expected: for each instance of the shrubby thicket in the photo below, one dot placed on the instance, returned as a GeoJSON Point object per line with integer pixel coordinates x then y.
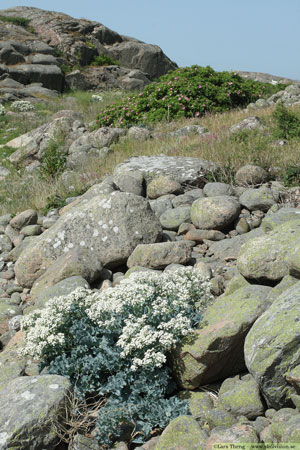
{"type": "Point", "coordinates": [112, 345]}
{"type": "Point", "coordinates": [186, 92]}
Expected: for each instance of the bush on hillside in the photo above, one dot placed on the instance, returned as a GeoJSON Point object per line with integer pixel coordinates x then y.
{"type": "Point", "coordinates": [287, 122]}
{"type": "Point", "coordinates": [112, 345]}
{"type": "Point", "coordinates": [186, 92]}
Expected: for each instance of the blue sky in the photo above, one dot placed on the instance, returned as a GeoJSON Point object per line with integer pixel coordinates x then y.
{"type": "Point", "coordinates": [253, 35]}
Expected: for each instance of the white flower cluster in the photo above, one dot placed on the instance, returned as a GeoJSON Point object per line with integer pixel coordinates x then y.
{"type": "Point", "coordinates": [43, 328]}
{"type": "Point", "coordinates": [22, 106]}
{"type": "Point", "coordinates": [2, 110]}
{"type": "Point", "coordinates": [147, 312]}
{"type": "Point", "coordinates": [97, 98]}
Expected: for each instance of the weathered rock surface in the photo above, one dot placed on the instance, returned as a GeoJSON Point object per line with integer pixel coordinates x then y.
{"type": "Point", "coordinates": [215, 351]}
{"type": "Point", "coordinates": [108, 226]}
{"type": "Point", "coordinates": [214, 213]}
{"type": "Point", "coordinates": [181, 169]}
{"type": "Point", "coordinates": [30, 403]}
{"type": "Point", "coordinates": [158, 256]}
{"type": "Point", "coordinates": [270, 355]}
{"type": "Point", "coordinates": [240, 396]}
{"type": "Point", "coordinates": [182, 432]}
{"type": "Point", "coordinates": [266, 257]}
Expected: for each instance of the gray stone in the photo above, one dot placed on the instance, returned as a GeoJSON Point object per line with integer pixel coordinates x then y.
{"type": "Point", "coordinates": [240, 396]}
{"type": "Point", "coordinates": [182, 433]}
{"type": "Point", "coordinates": [138, 133]}
{"type": "Point", "coordinates": [171, 219]}
{"type": "Point", "coordinates": [186, 199]}
{"type": "Point", "coordinates": [267, 257]}
{"type": "Point", "coordinates": [189, 130]}
{"type": "Point", "coordinates": [251, 175]}
{"type": "Point", "coordinates": [64, 287]}
{"type": "Point", "coordinates": [161, 204]}
{"type": "Point", "coordinates": [8, 311]}
{"type": "Point", "coordinates": [102, 137]}
{"type": "Point", "coordinates": [130, 182]}
{"type": "Point", "coordinates": [261, 199]}
{"type": "Point", "coordinates": [31, 230]}
{"type": "Point", "coordinates": [163, 185]}
{"type": "Point", "coordinates": [28, 217]}
{"type": "Point", "coordinates": [249, 123]}
{"type": "Point", "coordinates": [216, 188]}
{"type": "Point", "coordinates": [182, 169]}
{"type": "Point", "coordinates": [214, 213]}
{"type": "Point", "coordinates": [158, 256]}
{"type": "Point", "coordinates": [5, 243]}
{"type": "Point", "coordinates": [108, 227]}
{"type": "Point", "coordinates": [216, 350]}
{"type": "Point", "coordinates": [29, 404]}
{"type": "Point", "coordinates": [269, 356]}
{"type": "Point", "coordinates": [12, 365]}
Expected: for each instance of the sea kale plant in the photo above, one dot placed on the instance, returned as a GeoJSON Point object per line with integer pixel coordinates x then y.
{"type": "Point", "coordinates": [186, 92]}
{"type": "Point", "coordinates": [22, 106]}
{"type": "Point", "coordinates": [113, 345]}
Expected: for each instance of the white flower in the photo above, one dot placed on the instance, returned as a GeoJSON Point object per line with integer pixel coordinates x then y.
{"type": "Point", "coordinates": [2, 110]}
{"type": "Point", "coordinates": [22, 106]}
{"type": "Point", "coordinates": [97, 98]}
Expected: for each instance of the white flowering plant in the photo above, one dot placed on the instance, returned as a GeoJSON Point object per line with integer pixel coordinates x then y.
{"type": "Point", "coordinates": [2, 110]}
{"type": "Point", "coordinates": [22, 106]}
{"type": "Point", "coordinates": [97, 98]}
{"type": "Point", "coordinates": [114, 344]}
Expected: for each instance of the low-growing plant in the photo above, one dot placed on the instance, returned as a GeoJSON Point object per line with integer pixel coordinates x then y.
{"type": "Point", "coordinates": [54, 159]}
{"type": "Point", "coordinates": [186, 92]}
{"type": "Point", "coordinates": [20, 21]}
{"type": "Point", "coordinates": [2, 110]}
{"type": "Point", "coordinates": [287, 122]}
{"type": "Point", "coordinates": [114, 344]}
{"type": "Point", "coordinates": [22, 106]}
{"type": "Point", "coordinates": [103, 60]}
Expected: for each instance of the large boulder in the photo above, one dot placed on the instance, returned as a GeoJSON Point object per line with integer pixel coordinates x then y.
{"type": "Point", "coordinates": [28, 408]}
{"type": "Point", "coordinates": [272, 347]}
{"type": "Point", "coordinates": [191, 171]}
{"type": "Point", "coordinates": [266, 257]}
{"type": "Point", "coordinates": [216, 350]}
{"type": "Point", "coordinates": [109, 226]}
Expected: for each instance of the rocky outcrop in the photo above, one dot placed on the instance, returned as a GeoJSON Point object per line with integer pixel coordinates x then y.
{"type": "Point", "coordinates": [51, 41]}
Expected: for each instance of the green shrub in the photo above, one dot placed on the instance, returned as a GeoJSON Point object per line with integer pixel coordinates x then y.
{"type": "Point", "coordinates": [53, 160]}
{"type": "Point", "coordinates": [20, 21]}
{"type": "Point", "coordinates": [112, 345]}
{"type": "Point", "coordinates": [186, 92]}
{"type": "Point", "coordinates": [287, 122]}
{"type": "Point", "coordinates": [104, 60]}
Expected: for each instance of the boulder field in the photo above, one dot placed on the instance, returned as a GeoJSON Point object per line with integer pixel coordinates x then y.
{"type": "Point", "coordinates": [159, 213]}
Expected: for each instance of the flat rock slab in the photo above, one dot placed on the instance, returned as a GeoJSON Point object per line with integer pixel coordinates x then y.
{"type": "Point", "coordinates": [182, 169]}
{"type": "Point", "coordinates": [272, 347]}
{"type": "Point", "coordinates": [107, 226]}
{"type": "Point", "coordinates": [28, 404]}
{"type": "Point", "coordinates": [216, 350]}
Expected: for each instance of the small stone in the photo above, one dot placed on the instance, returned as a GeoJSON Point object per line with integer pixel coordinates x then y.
{"type": "Point", "coordinates": [28, 217]}
{"type": "Point", "coordinates": [161, 186]}
{"type": "Point", "coordinates": [250, 175]}
{"type": "Point", "coordinates": [184, 228]}
{"type": "Point", "coordinates": [203, 269]}
{"type": "Point", "coordinates": [242, 226]}
{"type": "Point", "coordinates": [31, 230]}
{"type": "Point", "coordinates": [15, 323]}
{"type": "Point", "coordinates": [201, 235]}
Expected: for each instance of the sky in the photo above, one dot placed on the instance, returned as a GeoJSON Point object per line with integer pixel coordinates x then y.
{"type": "Point", "coordinates": [250, 35]}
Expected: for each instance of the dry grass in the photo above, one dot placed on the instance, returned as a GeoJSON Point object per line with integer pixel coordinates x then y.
{"type": "Point", "coordinates": [18, 192]}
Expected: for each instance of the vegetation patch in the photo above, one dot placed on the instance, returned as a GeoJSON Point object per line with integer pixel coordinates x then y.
{"type": "Point", "coordinates": [287, 122]}
{"type": "Point", "coordinates": [186, 92]}
{"type": "Point", "coordinates": [20, 21]}
{"type": "Point", "coordinates": [113, 347]}
{"type": "Point", "coordinates": [104, 60]}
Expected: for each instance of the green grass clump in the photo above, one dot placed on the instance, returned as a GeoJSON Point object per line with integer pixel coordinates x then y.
{"type": "Point", "coordinates": [20, 21]}
{"type": "Point", "coordinates": [287, 122]}
{"type": "Point", "coordinates": [54, 159]}
{"type": "Point", "coordinates": [186, 92]}
{"type": "Point", "coordinates": [103, 60]}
